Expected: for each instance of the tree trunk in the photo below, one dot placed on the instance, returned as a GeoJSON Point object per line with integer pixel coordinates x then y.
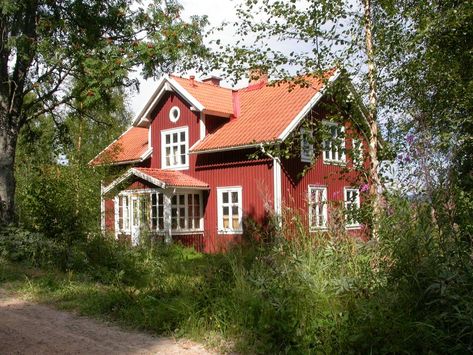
{"type": "Point", "coordinates": [375, 181]}
{"type": "Point", "coordinates": [8, 139]}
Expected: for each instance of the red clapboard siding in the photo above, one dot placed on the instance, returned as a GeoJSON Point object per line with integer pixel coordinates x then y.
{"type": "Point", "coordinates": [161, 122]}
{"type": "Point", "coordinates": [110, 215]}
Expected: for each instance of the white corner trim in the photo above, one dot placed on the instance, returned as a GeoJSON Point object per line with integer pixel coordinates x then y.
{"type": "Point", "coordinates": [102, 208]}
{"type": "Point", "coordinates": [115, 210]}
{"type": "Point", "coordinates": [316, 98]}
{"type": "Point", "coordinates": [277, 186]}
{"type": "Point", "coordinates": [202, 125]}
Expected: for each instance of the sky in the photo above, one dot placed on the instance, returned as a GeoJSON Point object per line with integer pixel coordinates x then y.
{"type": "Point", "coordinates": [217, 11]}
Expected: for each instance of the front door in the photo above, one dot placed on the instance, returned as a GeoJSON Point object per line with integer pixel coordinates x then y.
{"type": "Point", "coordinates": [135, 220]}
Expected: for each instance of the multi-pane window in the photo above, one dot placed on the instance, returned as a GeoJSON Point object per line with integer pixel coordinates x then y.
{"type": "Point", "coordinates": [123, 213]}
{"type": "Point", "coordinates": [186, 212]}
{"type": "Point", "coordinates": [174, 148]}
{"type": "Point", "coordinates": [352, 204]}
{"type": "Point", "coordinates": [317, 207]}
{"type": "Point", "coordinates": [229, 206]}
{"type": "Point", "coordinates": [157, 211]}
{"type": "Point", "coordinates": [334, 146]}
{"type": "Point", "coordinates": [307, 147]}
{"type": "Point", "coordinates": [146, 209]}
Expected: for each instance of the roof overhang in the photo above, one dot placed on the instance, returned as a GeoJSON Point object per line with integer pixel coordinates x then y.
{"type": "Point", "coordinates": [305, 110]}
{"type": "Point", "coordinates": [165, 84]}
{"type": "Point", "coordinates": [135, 172]}
{"type": "Point", "coordinates": [130, 173]}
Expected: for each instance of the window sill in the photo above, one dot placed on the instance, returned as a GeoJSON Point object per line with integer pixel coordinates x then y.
{"type": "Point", "coordinates": [335, 162]}
{"type": "Point", "coordinates": [352, 227]}
{"type": "Point", "coordinates": [178, 167]}
{"type": "Point", "coordinates": [226, 232]}
{"type": "Point", "coordinates": [318, 229]}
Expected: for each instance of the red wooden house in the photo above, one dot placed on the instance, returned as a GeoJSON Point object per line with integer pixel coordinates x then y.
{"type": "Point", "coordinates": [189, 176]}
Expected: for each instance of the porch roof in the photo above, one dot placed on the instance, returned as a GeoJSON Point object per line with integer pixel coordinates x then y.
{"type": "Point", "coordinates": [159, 177]}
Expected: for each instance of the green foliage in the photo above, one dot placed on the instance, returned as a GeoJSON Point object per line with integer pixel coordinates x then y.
{"type": "Point", "coordinates": [310, 293]}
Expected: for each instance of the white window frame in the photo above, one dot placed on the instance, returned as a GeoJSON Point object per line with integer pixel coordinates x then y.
{"type": "Point", "coordinates": [348, 203]}
{"type": "Point", "coordinates": [307, 149]}
{"type": "Point", "coordinates": [310, 203]}
{"type": "Point", "coordinates": [186, 229]}
{"type": "Point", "coordinates": [171, 116]}
{"type": "Point", "coordinates": [220, 205]}
{"type": "Point", "coordinates": [340, 157]}
{"type": "Point", "coordinates": [172, 131]}
{"type": "Point", "coordinates": [130, 193]}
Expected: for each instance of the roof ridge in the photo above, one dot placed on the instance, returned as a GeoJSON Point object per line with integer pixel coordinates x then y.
{"type": "Point", "coordinates": [203, 83]}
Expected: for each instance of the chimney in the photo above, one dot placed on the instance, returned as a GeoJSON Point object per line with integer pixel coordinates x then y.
{"type": "Point", "coordinates": [192, 78]}
{"type": "Point", "coordinates": [213, 79]}
{"type": "Point", "coordinates": [257, 76]}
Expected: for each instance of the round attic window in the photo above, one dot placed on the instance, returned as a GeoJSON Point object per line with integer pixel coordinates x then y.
{"type": "Point", "coordinates": [174, 113]}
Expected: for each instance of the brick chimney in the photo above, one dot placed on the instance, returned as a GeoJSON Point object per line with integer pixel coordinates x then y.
{"type": "Point", "coordinates": [213, 79]}
{"type": "Point", "coordinates": [257, 76]}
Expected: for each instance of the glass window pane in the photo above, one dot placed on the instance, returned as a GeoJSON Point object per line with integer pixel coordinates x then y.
{"type": "Point", "coordinates": [235, 223]}
{"type": "Point", "coordinates": [196, 199]}
{"type": "Point", "coordinates": [225, 197]}
{"type": "Point", "coordinates": [160, 199]}
{"type": "Point", "coordinates": [235, 210]}
{"type": "Point", "coordinates": [182, 223]}
{"type": "Point", "coordinates": [234, 197]}
{"type": "Point", "coordinates": [174, 200]}
{"type": "Point", "coordinates": [183, 136]}
{"type": "Point", "coordinates": [226, 221]}
{"type": "Point", "coordinates": [197, 223]}
{"type": "Point", "coordinates": [196, 211]}
{"type": "Point", "coordinates": [182, 199]}
{"type": "Point", "coordinates": [168, 138]}
{"type": "Point", "coordinates": [225, 211]}
{"type": "Point", "coordinates": [189, 199]}
{"type": "Point", "coordinates": [174, 137]}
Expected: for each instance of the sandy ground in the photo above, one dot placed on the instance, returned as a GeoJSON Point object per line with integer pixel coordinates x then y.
{"type": "Point", "coordinates": [29, 328]}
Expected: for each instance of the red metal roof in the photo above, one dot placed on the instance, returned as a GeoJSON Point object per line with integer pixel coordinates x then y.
{"type": "Point", "coordinates": [129, 147]}
{"type": "Point", "coordinates": [265, 112]}
{"type": "Point", "coordinates": [173, 178]}
{"type": "Point", "coordinates": [214, 98]}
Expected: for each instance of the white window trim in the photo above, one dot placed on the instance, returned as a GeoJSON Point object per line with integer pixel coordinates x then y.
{"type": "Point", "coordinates": [306, 158]}
{"type": "Point", "coordinates": [325, 207]}
{"type": "Point", "coordinates": [220, 191]}
{"type": "Point", "coordinates": [166, 206]}
{"type": "Point", "coordinates": [342, 145]}
{"type": "Point", "coordinates": [178, 230]}
{"type": "Point", "coordinates": [356, 201]}
{"type": "Point", "coordinates": [165, 132]}
{"type": "Point", "coordinates": [171, 117]}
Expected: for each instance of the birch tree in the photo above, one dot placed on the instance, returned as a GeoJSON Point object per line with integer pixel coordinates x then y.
{"type": "Point", "coordinates": [290, 39]}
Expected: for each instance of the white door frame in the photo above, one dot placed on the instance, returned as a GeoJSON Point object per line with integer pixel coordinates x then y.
{"type": "Point", "coordinates": [135, 220]}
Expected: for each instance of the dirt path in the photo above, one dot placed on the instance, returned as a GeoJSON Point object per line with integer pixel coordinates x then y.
{"type": "Point", "coordinates": [29, 328]}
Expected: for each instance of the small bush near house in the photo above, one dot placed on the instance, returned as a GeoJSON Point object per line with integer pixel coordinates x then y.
{"type": "Point", "coordinates": [410, 292]}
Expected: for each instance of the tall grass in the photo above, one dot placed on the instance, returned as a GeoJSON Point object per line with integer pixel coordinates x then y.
{"type": "Point", "coordinates": [301, 293]}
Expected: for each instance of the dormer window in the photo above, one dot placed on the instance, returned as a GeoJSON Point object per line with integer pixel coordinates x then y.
{"type": "Point", "coordinates": [175, 148]}
{"type": "Point", "coordinates": [174, 114]}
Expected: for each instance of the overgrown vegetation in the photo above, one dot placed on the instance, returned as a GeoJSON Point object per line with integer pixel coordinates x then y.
{"type": "Point", "coordinates": [410, 292]}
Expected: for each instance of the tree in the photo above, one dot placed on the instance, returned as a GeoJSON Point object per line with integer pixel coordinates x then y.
{"type": "Point", "coordinates": [322, 34]}
{"type": "Point", "coordinates": [46, 45]}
